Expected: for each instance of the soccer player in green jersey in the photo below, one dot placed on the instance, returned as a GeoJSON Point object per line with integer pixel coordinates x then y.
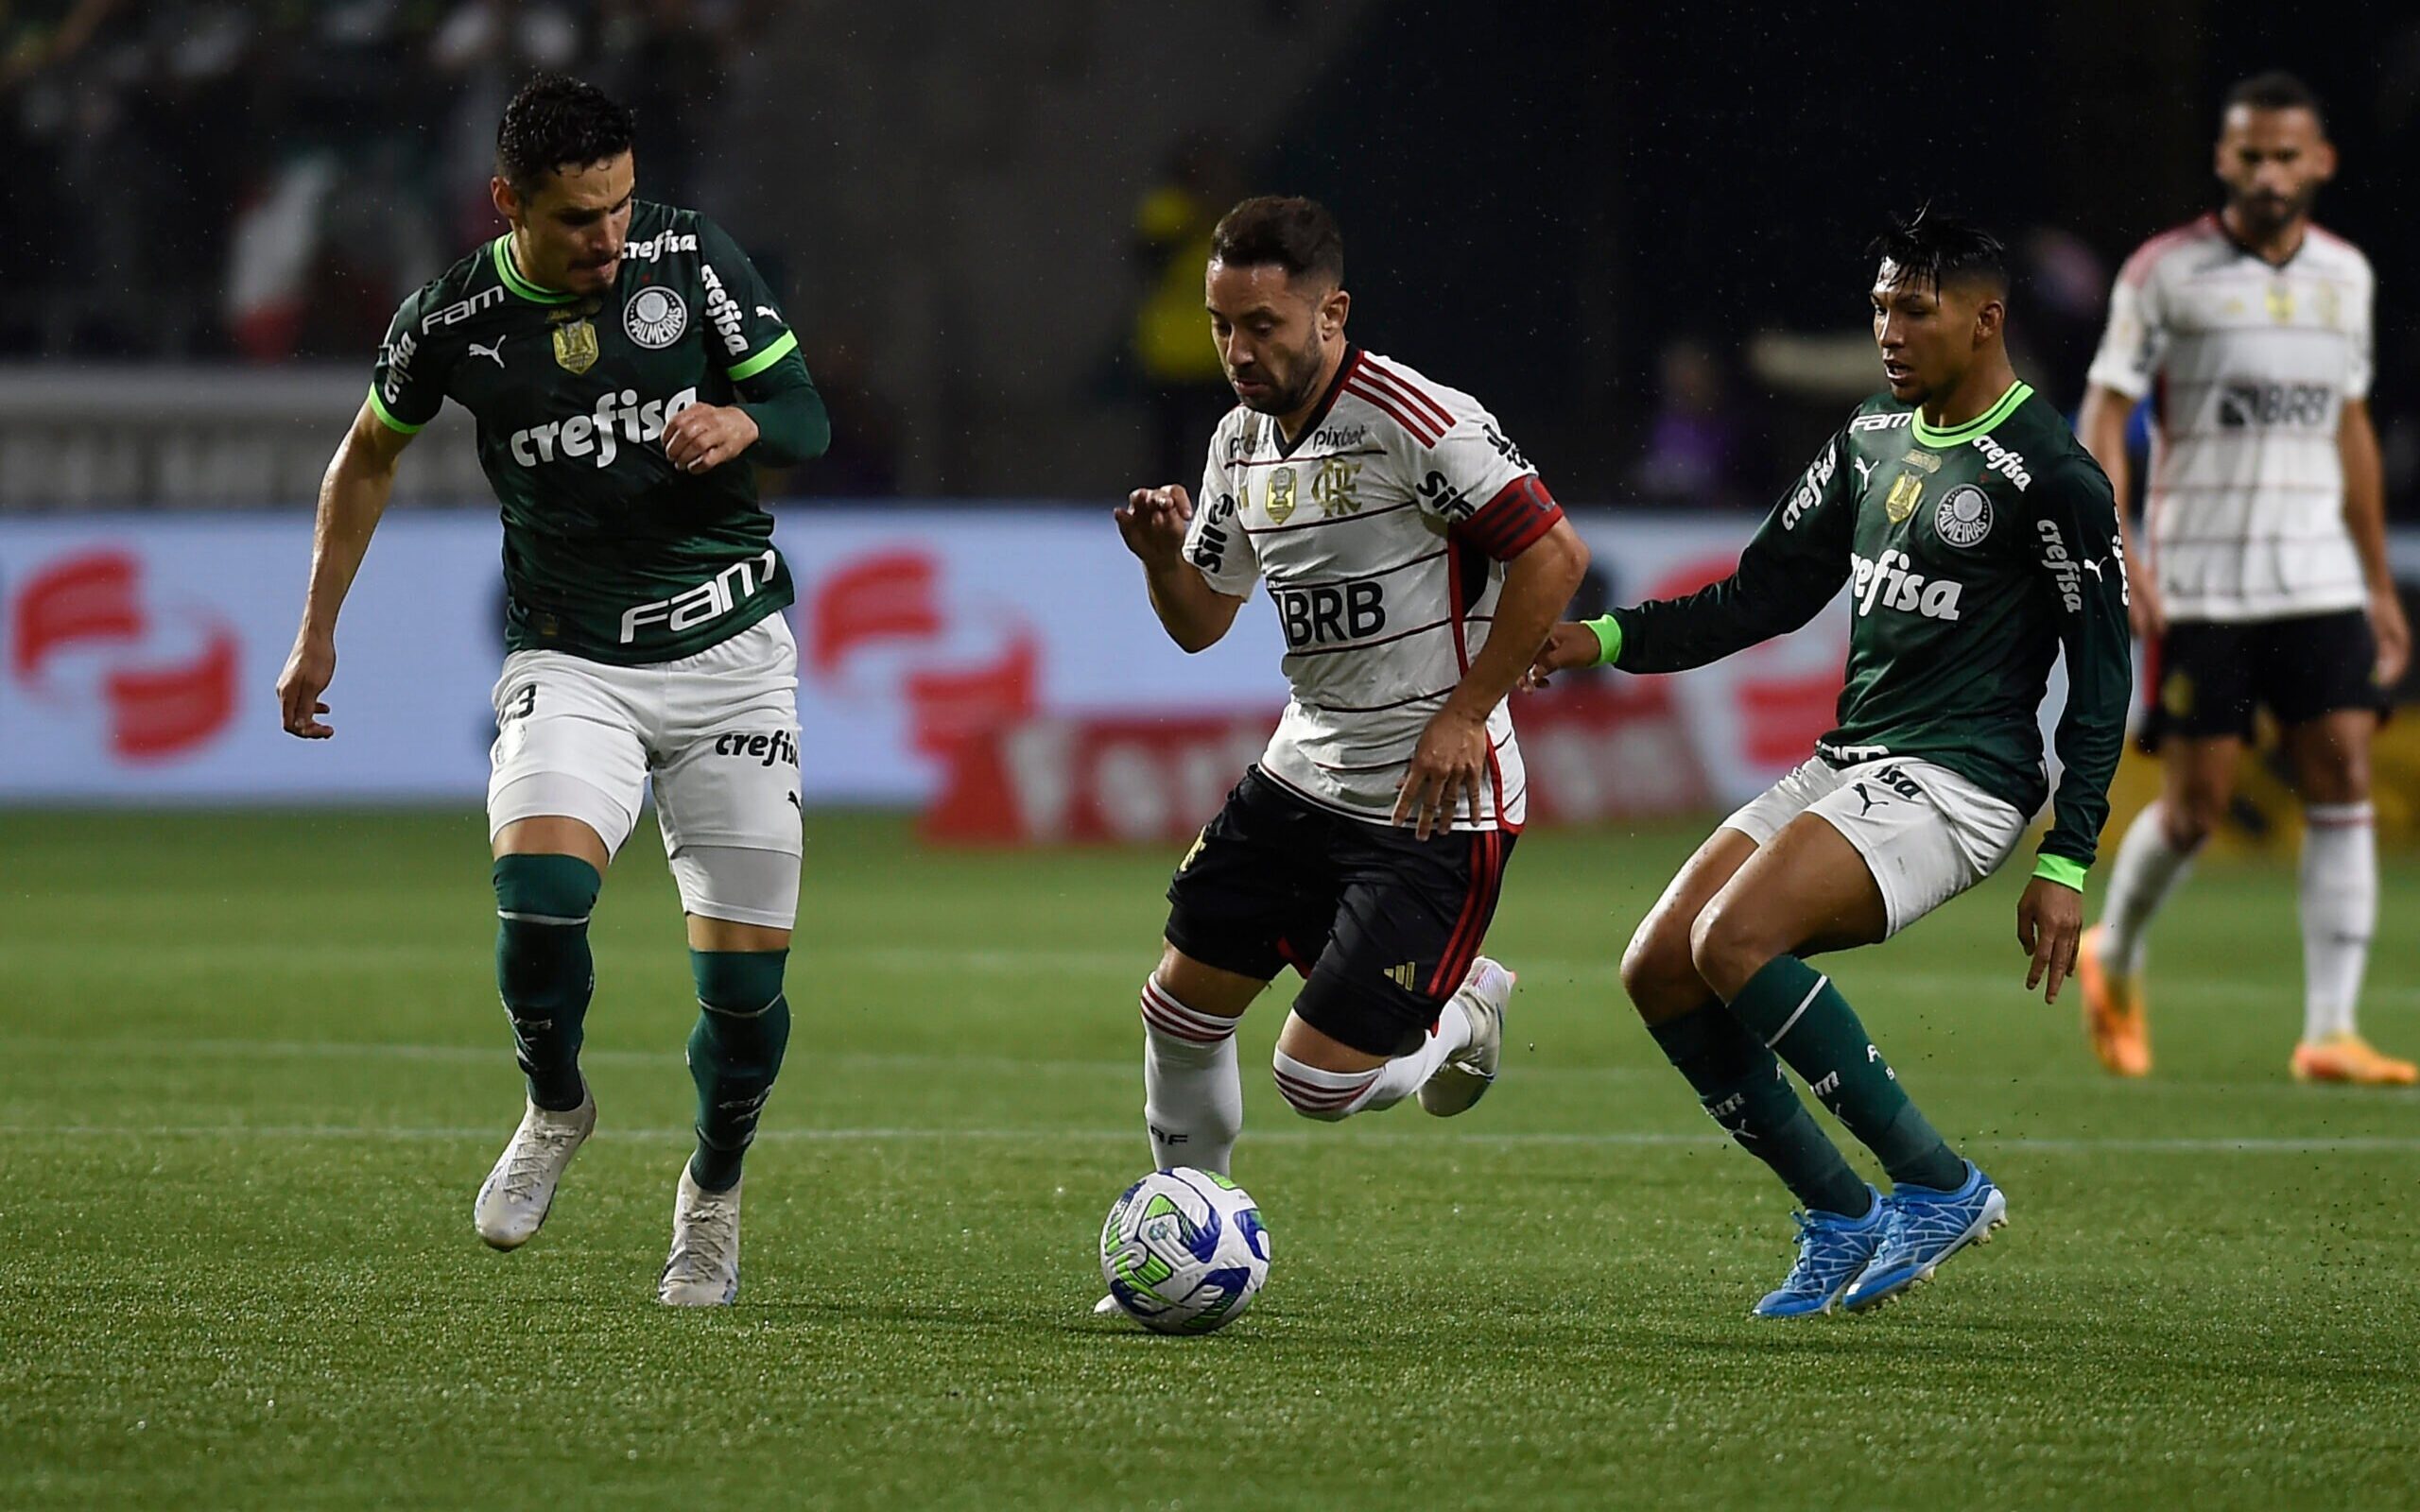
{"type": "Point", "coordinates": [1978, 542]}
{"type": "Point", "coordinates": [626, 367]}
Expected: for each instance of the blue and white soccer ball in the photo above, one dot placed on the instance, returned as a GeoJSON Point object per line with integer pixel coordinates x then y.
{"type": "Point", "coordinates": [1184, 1251]}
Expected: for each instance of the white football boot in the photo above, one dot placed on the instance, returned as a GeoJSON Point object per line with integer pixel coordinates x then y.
{"type": "Point", "coordinates": [1468, 1072]}
{"type": "Point", "coordinates": [704, 1268]}
{"type": "Point", "coordinates": [516, 1195]}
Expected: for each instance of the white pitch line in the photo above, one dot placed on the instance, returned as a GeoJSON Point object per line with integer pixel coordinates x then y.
{"type": "Point", "coordinates": [1866, 972]}
{"type": "Point", "coordinates": [1940, 1072]}
{"type": "Point", "coordinates": [2021, 1145]}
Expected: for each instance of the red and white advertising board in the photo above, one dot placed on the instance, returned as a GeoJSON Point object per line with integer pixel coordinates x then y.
{"type": "Point", "coordinates": [998, 667]}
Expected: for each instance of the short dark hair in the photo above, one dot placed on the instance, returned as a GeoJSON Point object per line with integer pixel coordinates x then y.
{"type": "Point", "coordinates": [1936, 247]}
{"type": "Point", "coordinates": [2275, 90]}
{"type": "Point", "coordinates": [1296, 235]}
{"type": "Point", "coordinates": [556, 123]}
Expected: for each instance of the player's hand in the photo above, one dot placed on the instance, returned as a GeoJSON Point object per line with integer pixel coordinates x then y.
{"type": "Point", "coordinates": [1569, 644]}
{"type": "Point", "coordinates": [309, 669]}
{"type": "Point", "coordinates": [704, 436]}
{"type": "Point", "coordinates": [1446, 769]}
{"type": "Point", "coordinates": [1152, 523]}
{"type": "Point", "coordinates": [2394, 635]}
{"type": "Point", "coordinates": [2050, 921]}
{"type": "Point", "coordinates": [2150, 616]}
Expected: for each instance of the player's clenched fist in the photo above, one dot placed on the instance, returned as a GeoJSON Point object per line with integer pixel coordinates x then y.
{"type": "Point", "coordinates": [309, 669]}
{"type": "Point", "coordinates": [1153, 523]}
{"type": "Point", "coordinates": [704, 436]}
{"type": "Point", "coordinates": [1569, 646]}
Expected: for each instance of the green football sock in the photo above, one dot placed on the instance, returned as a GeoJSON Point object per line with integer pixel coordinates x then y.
{"type": "Point", "coordinates": [1800, 1016]}
{"type": "Point", "coordinates": [1740, 1084]}
{"type": "Point", "coordinates": [542, 969]}
{"type": "Point", "coordinates": [734, 1054]}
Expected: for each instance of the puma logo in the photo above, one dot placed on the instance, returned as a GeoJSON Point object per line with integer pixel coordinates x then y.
{"type": "Point", "coordinates": [1865, 797]}
{"type": "Point", "coordinates": [2093, 567]}
{"type": "Point", "coordinates": [794, 803]}
{"type": "Point", "coordinates": [1864, 472]}
{"type": "Point", "coordinates": [769, 312]}
{"type": "Point", "coordinates": [496, 352]}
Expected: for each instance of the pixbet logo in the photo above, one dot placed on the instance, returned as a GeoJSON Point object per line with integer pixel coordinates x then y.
{"type": "Point", "coordinates": [93, 602]}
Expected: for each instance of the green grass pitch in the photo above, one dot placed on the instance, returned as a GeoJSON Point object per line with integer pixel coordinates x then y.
{"type": "Point", "coordinates": [251, 1071]}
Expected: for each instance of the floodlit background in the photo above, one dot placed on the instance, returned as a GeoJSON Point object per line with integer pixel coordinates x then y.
{"type": "Point", "coordinates": [251, 1067]}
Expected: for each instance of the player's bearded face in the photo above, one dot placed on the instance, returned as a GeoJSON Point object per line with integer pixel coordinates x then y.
{"type": "Point", "coordinates": [1272, 333]}
{"type": "Point", "coordinates": [569, 233]}
{"type": "Point", "coordinates": [2273, 163]}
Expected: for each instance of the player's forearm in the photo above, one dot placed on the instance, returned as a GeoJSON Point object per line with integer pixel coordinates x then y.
{"type": "Point", "coordinates": [353, 496]}
{"type": "Point", "coordinates": [1538, 585]}
{"type": "Point", "coordinates": [1743, 610]}
{"type": "Point", "coordinates": [1195, 615]}
{"type": "Point", "coordinates": [792, 426]}
{"type": "Point", "coordinates": [2357, 445]}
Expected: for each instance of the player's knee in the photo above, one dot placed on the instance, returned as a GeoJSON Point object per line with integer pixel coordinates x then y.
{"type": "Point", "coordinates": [1657, 969]}
{"type": "Point", "coordinates": [541, 905]}
{"type": "Point", "coordinates": [738, 984]}
{"type": "Point", "coordinates": [1726, 948]}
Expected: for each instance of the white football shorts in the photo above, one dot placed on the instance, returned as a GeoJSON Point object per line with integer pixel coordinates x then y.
{"type": "Point", "coordinates": [1926, 832]}
{"type": "Point", "coordinates": [716, 735]}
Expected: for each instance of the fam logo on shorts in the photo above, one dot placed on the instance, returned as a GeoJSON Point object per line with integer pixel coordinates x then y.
{"type": "Point", "coordinates": [1963, 517]}
{"type": "Point", "coordinates": [655, 317]}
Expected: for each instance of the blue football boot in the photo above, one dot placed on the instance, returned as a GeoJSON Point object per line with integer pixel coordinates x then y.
{"type": "Point", "coordinates": [1926, 1226]}
{"type": "Point", "coordinates": [1832, 1252]}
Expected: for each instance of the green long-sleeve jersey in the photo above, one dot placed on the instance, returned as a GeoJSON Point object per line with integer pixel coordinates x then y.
{"type": "Point", "coordinates": [612, 553]}
{"type": "Point", "coordinates": [1973, 556]}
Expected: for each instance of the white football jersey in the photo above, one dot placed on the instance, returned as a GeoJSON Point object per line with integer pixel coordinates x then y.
{"type": "Point", "coordinates": [2249, 368]}
{"type": "Point", "coordinates": [1382, 532]}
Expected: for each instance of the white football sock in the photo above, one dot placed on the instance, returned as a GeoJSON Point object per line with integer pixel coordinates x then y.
{"type": "Point", "coordinates": [2147, 870]}
{"type": "Point", "coordinates": [1335, 1095]}
{"type": "Point", "coordinates": [1193, 1096]}
{"type": "Point", "coordinates": [2339, 877]}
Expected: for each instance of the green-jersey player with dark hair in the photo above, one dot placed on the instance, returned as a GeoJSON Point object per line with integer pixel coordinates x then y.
{"type": "Point", "coordinates": [1979, 543]}
{"type": "Point", "coordinates": [626, 367]}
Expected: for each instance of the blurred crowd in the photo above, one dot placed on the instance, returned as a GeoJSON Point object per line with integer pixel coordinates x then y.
{"type": "Point", "coordinates": [199, 180]}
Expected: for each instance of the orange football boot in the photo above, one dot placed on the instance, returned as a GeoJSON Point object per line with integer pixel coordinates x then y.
{"type": "Point", "coordinates": [2115, 1016]}
{"type": "Point", "coordinates": [2350, 1060]}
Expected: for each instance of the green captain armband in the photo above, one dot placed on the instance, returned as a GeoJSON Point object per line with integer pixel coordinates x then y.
{"type": "Point", "coordinates": [1609, 638]}
{"type": "Point", "coordinates": [2059, 869]}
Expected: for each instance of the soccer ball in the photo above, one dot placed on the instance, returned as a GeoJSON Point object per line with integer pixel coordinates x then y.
{"type": "Point", "coordinates": [1184, 1251]}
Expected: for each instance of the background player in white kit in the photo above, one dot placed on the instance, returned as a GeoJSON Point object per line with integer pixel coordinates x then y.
{"type": "Point", "coordinates": [1416, 563]}
{"type": "Point", "coordinates": [2251, 330]}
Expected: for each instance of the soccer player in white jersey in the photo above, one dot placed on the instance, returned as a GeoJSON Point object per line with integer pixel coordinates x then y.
{"type": "Point", "coordinates": [2249, 330]}
{"type": "Point", "coordinates": [1415, 563]}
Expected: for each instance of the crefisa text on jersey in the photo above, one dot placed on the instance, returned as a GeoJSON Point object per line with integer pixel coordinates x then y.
{"type": "Point", "coordinates": [583, 433]}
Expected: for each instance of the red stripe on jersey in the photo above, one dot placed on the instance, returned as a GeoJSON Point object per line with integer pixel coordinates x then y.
{"type": "Point", "coordinates": [1513, 521]}
{"type": "Point", "coordinates": [1495, 779]}
{"type": "Point", "coordinates": [1454, 608]}
{"type": "Point", "coordinates": [1395, 410]}
{"type": "Point", "coordinates": [1394, 379]}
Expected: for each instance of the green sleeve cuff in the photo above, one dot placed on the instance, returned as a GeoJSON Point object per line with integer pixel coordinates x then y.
{"type": "Point", "coordinates": [783, 346]}
{"type": "Point", "coordinates": [2059, 869]}
{"type": "Point", "coordinates": [387, 416]}
{"type": "Point", "coordinates": [1609, 639]}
